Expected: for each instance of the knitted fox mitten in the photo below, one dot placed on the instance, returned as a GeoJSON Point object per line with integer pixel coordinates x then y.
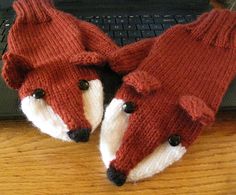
{"type": "Point", "coordinates": [50, 61]}
{"type": "Point", "coordinates": [163, 105]}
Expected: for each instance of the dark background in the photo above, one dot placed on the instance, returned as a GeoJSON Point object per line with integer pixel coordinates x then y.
{"type": "Point", "coordinates": [188, 3]}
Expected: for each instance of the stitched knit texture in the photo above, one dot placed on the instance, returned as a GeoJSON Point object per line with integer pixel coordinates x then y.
{"type": "Point", "coordinates": [53, 51]}
{"type": "Point", "coordinates": [190, 68]}
{"type": "Point", "coordinates": [127, 59]}
{"type": "Point", "coordinates": [43, 34]}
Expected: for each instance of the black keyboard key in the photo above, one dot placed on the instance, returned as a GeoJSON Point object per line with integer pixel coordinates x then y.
{"type": "Point", "coordinates": [109, 20]}
{"type": "Point", "coordinates": [116, 27]}
{"type": "Point", "coordinates": [190, 18]}
{"type": "Point", "coordinates": [96, 21]}
{"type": "Point", "coordinates": [122, 17]}
{"type": "Point", "coordinates": [134, 20]}
{"type": "Point", "coordinates": [180, 20]}
{"type": "Point", "coordinates": [88, 18]}
{"type": "Point", "coordinates": [129, 26]}
{"type": "Point", "coordinates": [158, 20]}
{"type": "Point", "coordinates": [147, 20]}
{"type": "Point", "coordinates": [122, 20]}
{"type": "Point", "coordinates": [143, 27]}
{"type": "Point", "coordinates": [126, 41]}
{"type": "Point", "coordinates": [146, 16]}
{"type": "Point", "coordinates": [105, 27]}
{"type": "Point", "coordinates": [120, 34]}
{"type": "Point", "coordinates": [168, 16]}
{"type": "Point", "coordinates": [110, 34]}
{"type": "Point", "coordinates": [169, 20]}
{"type": "Point", "coordinates": [156, 27]}
{"type": "Point", "coordinates": [134, 34]}
{"type": "Point", "coordinates": [148, 34]}
{"type": "Point", "coordinates": [164, 20]}
{"type": "Point", "coordinates": [157, 16]}
{"type": "Point", "coordinates": [158, 32]}
{"type": "Point", "coordinates": [109, 17]}
{"type": "Point", "coordinates": [166, 26]}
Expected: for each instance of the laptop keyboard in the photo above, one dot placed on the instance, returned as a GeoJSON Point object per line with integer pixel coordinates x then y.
{"type": "Point", "coordinates": [127, 29]}
{"type": "Point", "coordinates": [122, 29]}
{"type": "Point", "coordinates": [5, 25]}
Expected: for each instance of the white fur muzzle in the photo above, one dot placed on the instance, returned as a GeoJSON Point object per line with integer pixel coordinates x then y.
{"type": "Point", "coordinates": [113, 128]}
{"type": "Point", "coordinates": [42, 115]}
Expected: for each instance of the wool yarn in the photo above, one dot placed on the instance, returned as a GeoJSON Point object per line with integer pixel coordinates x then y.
{"type": "Point", "coordinates": [163, 105]}
{"type": "Point", "coordinates": [50, 61]}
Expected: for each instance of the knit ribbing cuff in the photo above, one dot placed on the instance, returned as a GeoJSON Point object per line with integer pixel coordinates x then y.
{"type": "Point", "coordinates": [217, 28]}
{"type": "Point", "coordinates": [33, 11]}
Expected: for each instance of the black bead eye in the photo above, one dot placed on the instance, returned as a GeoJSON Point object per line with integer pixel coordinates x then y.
{"type": "Point", "coordinates": [174, 140]}
{"type": "Point", "coordinates": [83, 85]}
{"type": "Point", "coordinates": [129, 107]}
{"type": "Point", "coordinates": [38, 93]}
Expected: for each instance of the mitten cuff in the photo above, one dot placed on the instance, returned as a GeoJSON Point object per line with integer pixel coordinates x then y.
{"type": "Point", "coordinates": [217, 28]}
{"type": "Point", "coordinates": [33, 11]}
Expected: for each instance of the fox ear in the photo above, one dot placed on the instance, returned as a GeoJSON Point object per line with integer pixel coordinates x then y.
{"type": "Point", "coordinates": [197, 109]}
{"type": "Point", "coordinates": [143, 82]}
{"type": "Point", "coordinates": [15, 69]}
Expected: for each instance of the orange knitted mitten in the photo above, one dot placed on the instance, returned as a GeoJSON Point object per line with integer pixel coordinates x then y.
{"type": "Point", "coordinates": [50, 60]}
{"type": "Point", "coordinates": [164, 104]}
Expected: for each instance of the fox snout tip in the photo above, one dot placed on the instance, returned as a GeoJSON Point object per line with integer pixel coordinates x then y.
{"type": "Point", "coordinates": [116, 177]}
{"type": "Point", "coordinates": [79, 135]}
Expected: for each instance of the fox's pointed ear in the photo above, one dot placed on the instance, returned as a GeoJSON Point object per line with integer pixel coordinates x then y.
{"type": "Point", "coordinates": [197, 109]}
{"type": "Point", "coordinates": [143, 82]}
{"type": "Point", "coordinates": [15, 68]}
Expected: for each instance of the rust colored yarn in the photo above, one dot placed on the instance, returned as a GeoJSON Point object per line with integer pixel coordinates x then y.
{"type": "Point", "coordinates": [50, 49]}
{"type": "Point", "coordinates": [43, 34]}
{"type": "Point", "coordinates": [178, 88]}
{"type": "Point", "coordinates": [128, 58]}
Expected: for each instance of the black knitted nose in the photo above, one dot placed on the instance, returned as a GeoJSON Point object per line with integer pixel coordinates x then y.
{"type": "Point", "coordinates": [116, 176]}
{"type": "Point", "coordinates": [80, 135]}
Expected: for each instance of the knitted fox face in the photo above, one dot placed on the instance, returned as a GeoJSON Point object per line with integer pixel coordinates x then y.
{"type": "Point", "coordinates": [59, 93]}
{"type": "Point", "coordinates": [125, 114]}
{"type": "Point", "coordinates": [63, 100]}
